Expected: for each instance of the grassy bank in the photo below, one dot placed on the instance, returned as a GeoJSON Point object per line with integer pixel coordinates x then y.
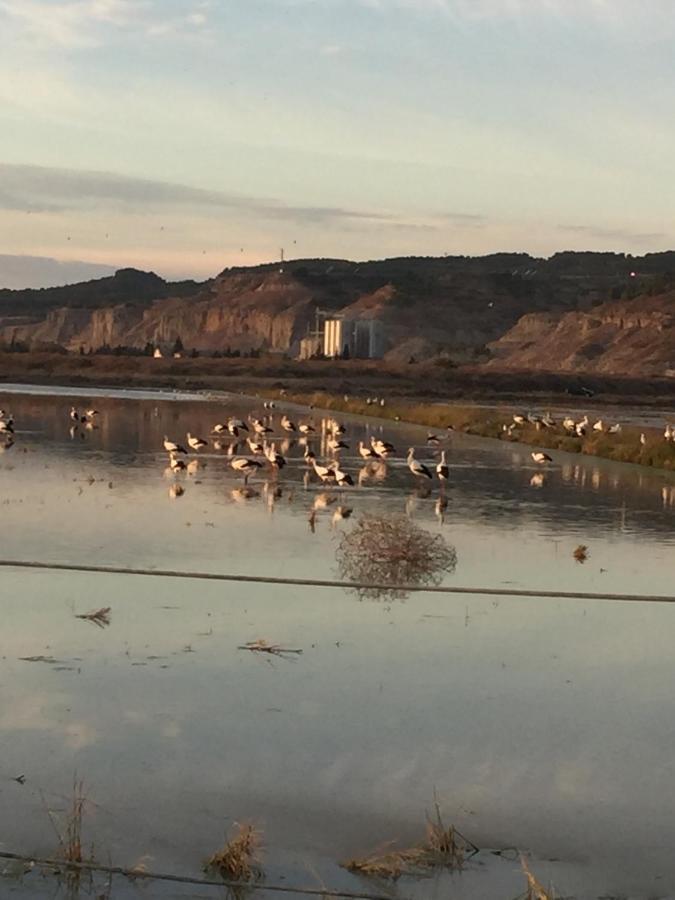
{"type": "Point", "coordinates": [427, 381]}
{"type": "Point", "coordinates": [485, 422]}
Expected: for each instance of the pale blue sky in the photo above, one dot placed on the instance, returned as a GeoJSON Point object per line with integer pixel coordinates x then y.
{"type": "Point", "coordinates": [186, 135]}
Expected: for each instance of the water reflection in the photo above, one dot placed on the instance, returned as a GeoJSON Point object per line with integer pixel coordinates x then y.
{"type": "Point", "coordinates": [541, 724]}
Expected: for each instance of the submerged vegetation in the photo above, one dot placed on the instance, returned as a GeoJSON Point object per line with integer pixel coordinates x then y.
{"type": "Point", "coordinates": [387, 551]}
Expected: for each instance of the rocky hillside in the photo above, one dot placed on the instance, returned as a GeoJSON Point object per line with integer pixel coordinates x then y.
{"type": "Point", "coordinates": [629, 337]}
{"type": "Point", "coordinates": [451, 306]}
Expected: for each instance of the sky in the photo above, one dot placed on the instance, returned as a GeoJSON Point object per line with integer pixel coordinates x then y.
{"type": "Point", "coordinates": [184, 136]}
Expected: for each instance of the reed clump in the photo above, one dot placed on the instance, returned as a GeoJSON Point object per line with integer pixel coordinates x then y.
{"type": "Point", "coordinates": [535, 889]}
{"type": "Point", "coordinates": [68, 829]}
{"type": "Point", "coordinates": [443, 847]}
{"type": "Point", "coordinates": [391, 551]}
{"type": "Point", "coordinates": [240, 857]}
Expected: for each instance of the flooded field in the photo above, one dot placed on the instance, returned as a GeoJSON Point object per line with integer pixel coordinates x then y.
{"type": "Point", "coordinates": [538, 724]}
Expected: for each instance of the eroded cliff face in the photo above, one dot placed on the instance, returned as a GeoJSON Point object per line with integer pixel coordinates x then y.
{"type": "Point", "coordinates": [633, 337]}
{"type": "Point", "coordinates": [428, 308]}
{"type": "Point", "coordinates": [270, 312]}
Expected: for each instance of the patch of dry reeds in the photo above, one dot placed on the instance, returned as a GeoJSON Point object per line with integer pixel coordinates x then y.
{"type": "Point", "coordinates": [443, 847]}
{"type": "Point", "coordinates": [390, 551]}
{"type": "Point", "coordinates": [239, 858]}
{"type": "Point", "coordinates": [69, 834]}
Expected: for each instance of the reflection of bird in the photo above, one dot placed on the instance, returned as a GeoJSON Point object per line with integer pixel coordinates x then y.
{"type": "Point", "coordinates": [340, 514]}
{"type": "Point", "coordinates": [418, 469]}
{"type": "Point", "coordinates": [176, 490]}
{"type": "Point", "coordinates": [245, 466]}
{"type": "Point", "coordinates": [442, 469]}
{"type": "Point", "coordinates": [643, 439]}
{"type": "Point", "coordinates": [334, 445]}
{"type": "Point", "coordinates": [243, 494]}
{"type": "Point", "coordinates": [614, 429]}
{"type": "Point", "coordinates": [287, 425]}
{"type": "Point", "coordinates": [306, 428]}
{"type": "Point", "coordinates": [323, 501]}
{"type": "Point", "coordinates": [540, 457]}
{"type": "Point", "coordinates": [537, 480]}
{"type": "Point", "coordinates": [177, 465]}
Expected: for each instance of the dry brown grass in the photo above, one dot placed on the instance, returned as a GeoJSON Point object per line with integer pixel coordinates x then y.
{"type": "Point", "coordinates": [581, 553]}
{"type": "Point", "coordinates": [390, 551]}
{"type": "Point", "coordinates": [443, 847]}
{"type": "Point", "coordinates": [68, 829]}
{"type": "Point", "coordinates": [239, 858]}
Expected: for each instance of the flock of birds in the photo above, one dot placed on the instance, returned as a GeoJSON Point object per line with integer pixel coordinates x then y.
{"type": "Point", "coordinates": [569, 425]}
{"type": "Point", "coordinates": [260, 433]}
{"type": "Point", "coordinates": [260, 445]}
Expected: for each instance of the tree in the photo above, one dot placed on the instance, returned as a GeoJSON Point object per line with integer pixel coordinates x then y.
{"type": "Point", "coordinates": [178, 345]}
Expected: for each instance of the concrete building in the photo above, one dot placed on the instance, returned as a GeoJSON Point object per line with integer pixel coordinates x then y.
{"type": "Point", "coordinates": [356, 338]}
{"type": "Point", "coordinates": [311, 346]}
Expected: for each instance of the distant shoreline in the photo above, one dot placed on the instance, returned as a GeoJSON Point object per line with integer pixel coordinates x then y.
{"type": "Point", "coordinates": [419, 383]}
{"type": "Point", "coordinates": [484, 411]}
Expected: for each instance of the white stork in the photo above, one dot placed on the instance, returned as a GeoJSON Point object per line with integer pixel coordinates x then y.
{"type": "Point", "coordinates": [325, 473]}
{"type": "Point", "coordinates": [366, 452]}
{"type": "Point", "coordinates": [245, 466]}
{"type": "Point", "coordinates": [442, 469]}
{"type": "Point", "coordinates": [342, 478]}
{"type": "Point", "coordinates": [196, 443]}
{"type": "Point", "coordinates": [276, 459]}
{"type": "Point", "coordinates": [416, 467]}
{"type": "Point", "coordinates": [172, 446]}
{"type": "Point", "coordinates": [540, 457]}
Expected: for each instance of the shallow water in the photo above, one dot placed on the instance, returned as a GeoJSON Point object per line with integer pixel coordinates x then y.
{"type": "Point", "coordinates": [540, 724]}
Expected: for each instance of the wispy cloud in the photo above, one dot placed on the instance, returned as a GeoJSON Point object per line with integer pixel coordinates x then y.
{"type": "Point", "coordinates": [624, 236]}
{"type": "Point", "coordinates": [81, 24]}
{"type": "Point", "coordinates": [614, 13]}
{"type": "Point", "coordinates": [45, 189]}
